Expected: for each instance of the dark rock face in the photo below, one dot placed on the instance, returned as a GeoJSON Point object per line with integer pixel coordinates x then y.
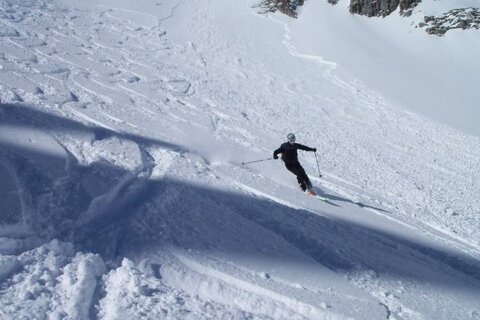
{"type": "Point", "coordinates": [465, 18]}
{"type": "Point", "coordinates": [406, 6]}
{"type": "Point", "coordinates": [381, 8]}
{"type": "Point", "coordinates": [369, 8]}
{"type": "Point", "coordinates": [288, 7]}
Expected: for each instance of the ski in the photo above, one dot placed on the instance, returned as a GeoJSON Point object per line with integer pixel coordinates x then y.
{"type": "Point", "coordinates": [312, 193]}
{"type": "Point", "coordinates": [321, 198]}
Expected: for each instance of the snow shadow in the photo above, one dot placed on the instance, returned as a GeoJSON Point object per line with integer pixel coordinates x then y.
{"type": "Point", "coordinates": [129, 213]}
{"type": "Point", "coordinates": [215, 222]}
{"type": "Point", "coordinates": [24, 116]}
{"type": "Point", "coordinates": [332, 197]}
{"type": "Point", "coordinates": [33, 167]}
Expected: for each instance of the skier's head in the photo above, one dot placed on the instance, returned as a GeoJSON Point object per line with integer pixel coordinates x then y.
{"type": "Point", "coordinates": [291, 138]}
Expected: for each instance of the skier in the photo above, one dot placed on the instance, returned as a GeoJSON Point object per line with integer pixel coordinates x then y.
{"type": "Point", "coordinates": [288, 151]}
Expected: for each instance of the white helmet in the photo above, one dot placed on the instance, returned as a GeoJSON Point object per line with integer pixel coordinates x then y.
{"type": "Point", "coordinates": [291, 137]}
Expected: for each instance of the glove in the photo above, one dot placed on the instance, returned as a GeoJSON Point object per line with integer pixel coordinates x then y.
{"type": "Point", "coordinates": [314, 149]}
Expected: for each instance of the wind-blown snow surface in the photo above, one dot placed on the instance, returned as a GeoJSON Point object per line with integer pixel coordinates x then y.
{"type": "Point", "coordinates": [436, 76]}
{"type": "Point", "coordinates": [123, 126]}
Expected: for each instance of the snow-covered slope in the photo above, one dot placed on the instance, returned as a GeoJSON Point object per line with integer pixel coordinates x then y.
{"type": "Point", "coordinates": [123, 126]}
{"type": "Point", "coordinates": [434, 76]}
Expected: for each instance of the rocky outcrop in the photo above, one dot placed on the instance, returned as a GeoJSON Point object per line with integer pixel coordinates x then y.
{"type": "Point", "coordinates": [381, 8]}
{"type": "Point", "coordinates": [288, 7]}
{"type": "Point", "coordinates": [454, 19]}
{"type": "Point", "coordinates": [465, 18]}
{"type": "Point", "coordinates": [369, 8]}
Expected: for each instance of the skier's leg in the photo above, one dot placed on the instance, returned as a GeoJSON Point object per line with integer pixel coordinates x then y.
{"type": "Point", "coordinates": [302, 183]}
{"type": "Point", "coordinates": [290, 168]}
{"type": "Point", "coordinates": [293, 168]}
{"type": "Point", "coordinates": [302, 175]}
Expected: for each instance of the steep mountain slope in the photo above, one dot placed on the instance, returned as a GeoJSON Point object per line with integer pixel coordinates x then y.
{"type": "Point", "coordinates": [434, 76]}
{"type": "Point", "coordinates": [463, 15]}
{"type": "Point", "coordinates": [123, 126]}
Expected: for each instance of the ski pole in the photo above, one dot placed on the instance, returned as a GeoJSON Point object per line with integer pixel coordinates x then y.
{"type": "Point", "coordinates": [244, 163]}
{"type": "Point", "coordinates": [318, 166]}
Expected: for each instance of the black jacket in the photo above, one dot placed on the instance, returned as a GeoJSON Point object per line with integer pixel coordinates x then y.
{"type": "Point", "coordinates": [289, 151]}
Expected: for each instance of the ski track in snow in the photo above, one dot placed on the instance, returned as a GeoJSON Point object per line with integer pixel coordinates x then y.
{"type": "Point", "coordinates": [130, 153]}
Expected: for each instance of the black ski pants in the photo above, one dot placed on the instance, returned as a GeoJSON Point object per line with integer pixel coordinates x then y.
{"type": "Point", "coordinates": [302, 178]}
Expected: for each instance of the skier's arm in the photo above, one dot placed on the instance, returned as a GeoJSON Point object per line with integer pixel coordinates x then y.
{"type": "Point", "coordinates": [302, 147]}
{"type": "Point", "coordinates": [276, 152]}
